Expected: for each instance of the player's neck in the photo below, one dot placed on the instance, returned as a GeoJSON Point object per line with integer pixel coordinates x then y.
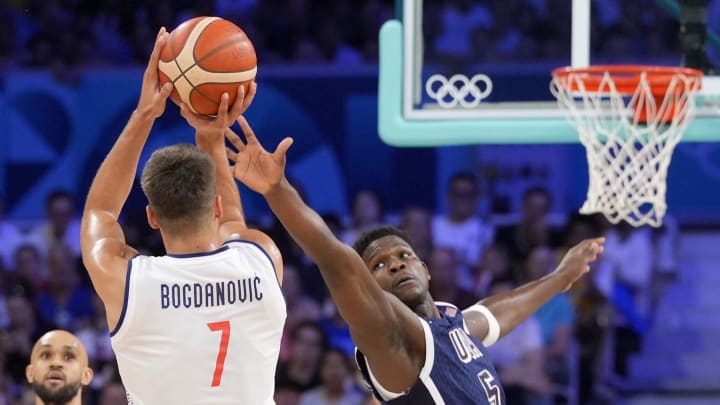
{"type": "Point", "coordinates": [427, 308]}
{"type": "Point", "coordinates": [75, 401]}
{"type": "Point", "coordinates": [199, 241]}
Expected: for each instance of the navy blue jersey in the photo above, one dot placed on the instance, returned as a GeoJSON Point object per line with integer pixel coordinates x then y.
{"type": "Point", "coordinates": [457, 368]}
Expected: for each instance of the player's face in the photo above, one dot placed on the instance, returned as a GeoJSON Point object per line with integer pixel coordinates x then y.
{"type": "Point", "coordinates": [58, 368]}
{"type": "Point", "coordinates": [397, 269]}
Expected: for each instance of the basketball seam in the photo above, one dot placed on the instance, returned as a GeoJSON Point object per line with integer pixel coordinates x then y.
{"type": "Point", "coordinates": [218, 49]}
{"type": "Point", "coordinates": [211, 53]}
{"type": "Point", "coordinates": [182, 72]}
{"type": "Point", "coordinates": [175, 59]}
{"type": "Point", "coordinates": [214, 51]}
{"type": "Point", "coordinates": [196, 89]}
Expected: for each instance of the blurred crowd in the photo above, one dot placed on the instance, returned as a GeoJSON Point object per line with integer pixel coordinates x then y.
{"type": "Point", "coordinates": [66, 34]}
{"type": "Point", "coordinates": [561, 355]}
{"type": "Point", "coordinates": [485, 32]}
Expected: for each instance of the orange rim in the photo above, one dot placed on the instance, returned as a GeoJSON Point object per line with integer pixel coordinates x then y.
{"type": "Point", "coordinates": [625, 77]}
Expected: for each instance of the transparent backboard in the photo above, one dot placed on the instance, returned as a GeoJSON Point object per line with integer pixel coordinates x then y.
{"type": "Point", "coordinates": [478, 71]}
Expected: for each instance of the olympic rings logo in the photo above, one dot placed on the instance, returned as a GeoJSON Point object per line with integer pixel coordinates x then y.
{"type": "Point", "coordinates": [458, 90]}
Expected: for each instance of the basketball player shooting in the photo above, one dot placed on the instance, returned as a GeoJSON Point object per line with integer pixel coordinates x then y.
{"type": "Point", "coordinates": [411, 350]}
{"type": "Point", "coordinates": [203, 323]}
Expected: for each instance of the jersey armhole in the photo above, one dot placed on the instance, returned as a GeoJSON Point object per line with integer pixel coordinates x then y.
{"type": "Point", "coordinates": [240, 242]}
{"type": "Point", "coordinates": [387, 395]}
{"type": "Point", "coordinates": [126, 302]}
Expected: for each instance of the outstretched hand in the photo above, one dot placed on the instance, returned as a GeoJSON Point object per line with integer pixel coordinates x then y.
{"type": "Point", "coordinates": [207, 126]}
{"type": "Point", "coordinates": [576, 261]}
{"type": "Point", "coordinates": [254, 166]}
{"type": "Point", "coordinates": [153, 96]}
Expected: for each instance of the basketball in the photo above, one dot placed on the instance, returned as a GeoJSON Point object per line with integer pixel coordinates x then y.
{"type": "Point", "coordinates": [205, 57]}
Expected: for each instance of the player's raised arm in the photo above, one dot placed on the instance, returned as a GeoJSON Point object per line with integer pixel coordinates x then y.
{"type": "Point", "coordinates": [381, 325]}
{"type": "Point", "coordinates": [210, 137]}
{"type": "Point", "coordinates": [104, 251]}
{"type": "Point", "coordinates": [508, 310]}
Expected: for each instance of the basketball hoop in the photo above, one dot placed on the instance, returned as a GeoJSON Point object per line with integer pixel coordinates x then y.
{"type": "Point", "coordinates": [629, 118]}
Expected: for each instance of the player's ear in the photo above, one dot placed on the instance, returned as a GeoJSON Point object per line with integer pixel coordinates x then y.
{"type": "Point", "coordinates": [218, 207]}
{"type": "Point", "coordinates": [152, 221]}
{"type": "Point", "coordinates": [87, 376]}
{"type": "Point", "coordinates": [427, 270]}
{"type": "Point", "coordinates": [29, 374]}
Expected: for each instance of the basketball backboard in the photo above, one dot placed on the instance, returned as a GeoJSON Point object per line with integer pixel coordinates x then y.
{"type": "Point", "coordinates": [477, 71]}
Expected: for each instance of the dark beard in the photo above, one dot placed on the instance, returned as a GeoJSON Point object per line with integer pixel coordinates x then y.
{"type": "Point", "coordinates": [57, 397]}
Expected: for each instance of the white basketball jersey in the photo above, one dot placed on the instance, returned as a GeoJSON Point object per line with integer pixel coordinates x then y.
{"type": "Point", "coordinates": [201, 329]}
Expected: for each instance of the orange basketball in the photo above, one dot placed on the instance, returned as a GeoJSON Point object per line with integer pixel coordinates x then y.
{"type": "Point", "coordinates": [205, 57]}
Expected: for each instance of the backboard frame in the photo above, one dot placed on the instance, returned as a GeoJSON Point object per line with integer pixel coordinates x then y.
{"type": "Point", "coordinates": [400, 124]}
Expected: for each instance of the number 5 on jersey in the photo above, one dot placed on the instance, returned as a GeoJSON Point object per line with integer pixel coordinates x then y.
{"type": "Point", "coordinates": [223, 327]}
{"type": "Point", "coordinates": [491, 389]}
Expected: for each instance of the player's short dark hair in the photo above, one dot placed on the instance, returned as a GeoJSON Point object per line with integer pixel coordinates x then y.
{"type": "Point", "coordinates": [368, 237]}
{"type": "Point", "coordinates": [179, 183]}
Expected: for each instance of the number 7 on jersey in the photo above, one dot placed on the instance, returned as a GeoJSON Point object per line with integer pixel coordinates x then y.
{"type": "Point", "coordinates": [223, 327]}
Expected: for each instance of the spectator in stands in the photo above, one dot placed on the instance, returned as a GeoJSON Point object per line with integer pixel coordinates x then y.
{"type": "Point", "coordinates": [370, 400]}
{"type": "Point", "coordinates": [336, 329]}
{"type": "Point", "coordinates": [417, 223]}
{"type": "Point", "coordinates": [338, 387]}
{"type": "Point", "coordinates": [666, 243]}
{"type": "Point", "coordinates": [518, 359]}
{"type": "Point", "coordinates": [139, 234]}
{"type": "Point", "coordinates": [6, 394]}
{"type": "Point", "coordinates": [94, 335]}
{"type": "Point", "coordinates": [30, 273]}
{"type": "Point", "coordinates": [444, 268]}
{"type": "Point", "coordinates": [66, 304]}
{"type": "Point", "coordinates": [461, 229]}
{"type": "Point", "coordinates": [4, 317]}
{"type": "Point", "coordinates": [495, 264]}
{"type": "Point", "coordinates": [555, 319]}
{"type": "Point", "coordinates": [589, 306]}
{"type": "Point", "coordinates": [113, 393]}
{"type": "Point", "coordinates": [533, 230]}
{"type": "Point", "coordinates": [16, 340]}
{"type": "Point", "coordinates": [286, 394]}
{"type": "Point", "coordinates": [459, 19]}
{"type": "Point", "coordinates": [301, 371]}
{"type": "Point", "coordinates": [300, 307]}
{"type": "Point", "coordinates": [10, 239]}
{"type": "Point", "coordinates": [62, 224]}
{"type": "Point", "coordinates": [366, 212]}
{"type": "Point", "coordinates": [623, 277]}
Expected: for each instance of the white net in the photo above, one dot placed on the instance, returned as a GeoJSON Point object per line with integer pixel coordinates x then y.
{"type": "Point", "coordinates": [629, 137]}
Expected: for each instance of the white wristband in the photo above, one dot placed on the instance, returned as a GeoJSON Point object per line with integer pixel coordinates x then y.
{"type": "Point", "coordinates": [493, 333]}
